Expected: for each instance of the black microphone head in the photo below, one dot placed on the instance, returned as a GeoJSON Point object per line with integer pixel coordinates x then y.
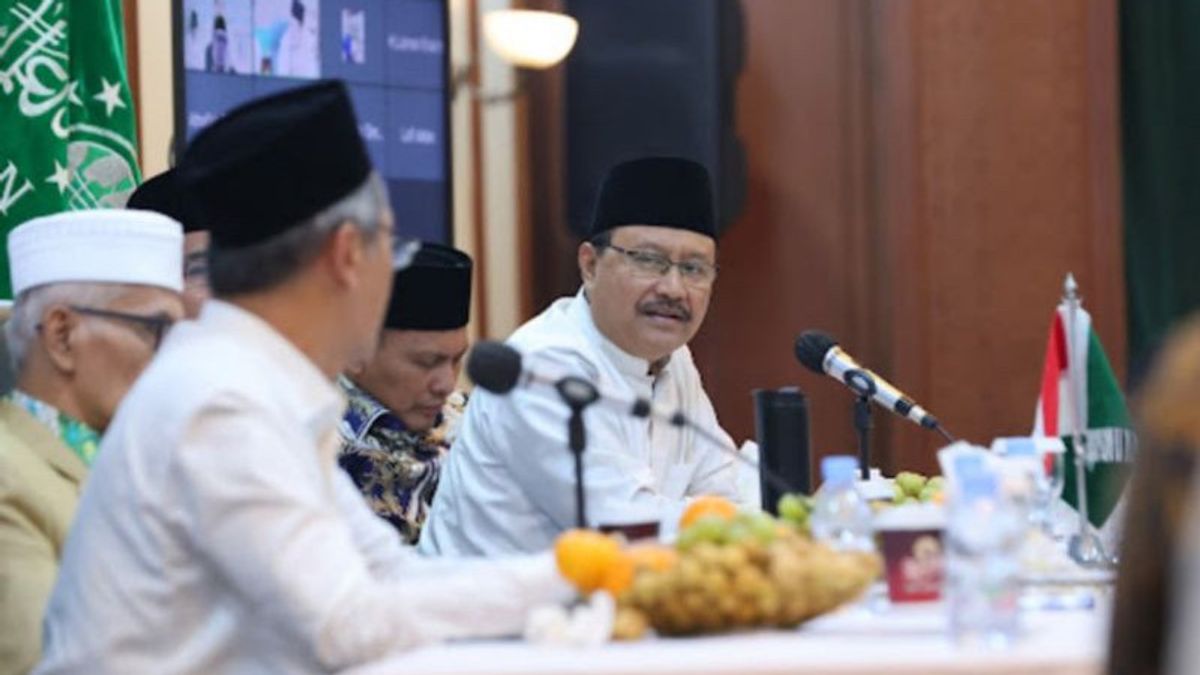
{"type": "Point", "coordinates": [494, 366]}
{"type": "Point", "coordinates": [811, 348]}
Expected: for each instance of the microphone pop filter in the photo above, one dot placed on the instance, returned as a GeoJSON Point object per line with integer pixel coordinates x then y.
{"type": "Point", "coordinates": [494, 366]}
{"type": "Point", "coordinates": [811, 348]}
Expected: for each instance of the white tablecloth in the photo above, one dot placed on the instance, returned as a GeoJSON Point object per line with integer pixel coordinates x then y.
{"type": "Point", "coordinates": [910, 640]}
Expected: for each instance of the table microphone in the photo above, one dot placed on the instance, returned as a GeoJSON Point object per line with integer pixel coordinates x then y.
{"type": "Point", "coordinates": [498, 368]}
{"type": "Point", "coordinates": [494, 366]}
{"type": "Point", "coordinates": [820, 353]}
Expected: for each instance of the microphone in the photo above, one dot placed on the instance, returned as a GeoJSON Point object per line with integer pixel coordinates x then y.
{"type": "Point", "coordinates": [498, 368]}
{"type": "Point", "coordinates": [494, 366]}
{"type": "Point", "coordinates": [820, 353]}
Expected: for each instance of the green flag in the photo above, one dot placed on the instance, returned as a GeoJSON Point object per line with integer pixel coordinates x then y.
{"type": "Point", "coordinates": [66, 112]}
{"type": "Point", "coordinates": [1105, 427]}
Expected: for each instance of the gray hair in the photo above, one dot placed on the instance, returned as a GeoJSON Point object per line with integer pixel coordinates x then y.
{"type": "Point", "coordinates": [264, 265]}
{"type": "Point", "coordinates": [31, 305]}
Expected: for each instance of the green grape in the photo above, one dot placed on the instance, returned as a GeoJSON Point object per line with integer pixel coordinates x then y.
{"type": "Point", "coordinates": [712, 529]}
{"type": "Point", "coordinates": [793, 507]}
{"type": "Point", "coordinates": [738, 532]}
{"type": "Point", "coordinates": [760, 526]}
{"type": "Point", "coordinates": [910, 482]}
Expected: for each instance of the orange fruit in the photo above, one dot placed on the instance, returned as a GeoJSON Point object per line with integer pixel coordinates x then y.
{"type": "Point", "coordinates": [618, 577]}
{"type": "Point", "coordinates": [653, 557]}
{"type": "Point", "coordinates": [584, 558]}
{"type": "Point", "coordinates": [707, 505]}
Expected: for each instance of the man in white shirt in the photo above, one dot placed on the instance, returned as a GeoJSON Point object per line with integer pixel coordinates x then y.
{"type": "Point", "coordinates": [218, 533]}
{"type": "Point", "coordinates": [648, 273]}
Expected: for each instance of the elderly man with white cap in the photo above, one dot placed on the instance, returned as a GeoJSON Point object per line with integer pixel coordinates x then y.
{"type": "Point", "coordinates": [95, 291]}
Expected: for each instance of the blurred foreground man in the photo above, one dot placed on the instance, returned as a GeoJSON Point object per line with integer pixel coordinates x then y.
{"type": "Point", "coordinates": [218, 534]}
{"type": "Point", "coordinates": [163, 194]}
{"type": "Point", "coordinates": [648, 273]}
{"type": "Point", "coordinates": [83, 327]}
{"type": "Point", "coordinates": [403, 409]}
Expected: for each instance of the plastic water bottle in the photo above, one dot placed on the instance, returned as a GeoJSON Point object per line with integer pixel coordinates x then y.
{"type": "Point", "coordinates": [983, 568]}
{"type": "Point", "coordinates": [1022, 471]}
{"type": "Point", "coordinates": [841, 517]}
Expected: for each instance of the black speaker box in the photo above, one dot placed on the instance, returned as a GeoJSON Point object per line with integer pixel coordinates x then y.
{"type": "Point", "coordinates": [654, 77]}
{"type": "Point", "coordinates": [781, 427]}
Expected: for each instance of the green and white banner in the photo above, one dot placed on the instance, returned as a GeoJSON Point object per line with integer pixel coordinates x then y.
{"type": "Point", "coordinates": [67, 124]}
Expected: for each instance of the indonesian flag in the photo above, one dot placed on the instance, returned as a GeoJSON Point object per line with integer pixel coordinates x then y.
{"type": "Point", "coordinates": [1109, 441]}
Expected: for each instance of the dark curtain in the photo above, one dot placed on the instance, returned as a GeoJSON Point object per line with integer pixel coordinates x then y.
{"type": "Point", "coordinates": [1160, 90]}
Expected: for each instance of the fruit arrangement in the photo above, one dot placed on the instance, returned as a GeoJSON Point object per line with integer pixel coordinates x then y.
{"type": "Point", "coordinates": [910, 487]}
{"type": "Point", "coordinates": [727, 570]}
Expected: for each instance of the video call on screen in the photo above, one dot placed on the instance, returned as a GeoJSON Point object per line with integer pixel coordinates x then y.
{"type": "Point", "coordinates": [390, 53]}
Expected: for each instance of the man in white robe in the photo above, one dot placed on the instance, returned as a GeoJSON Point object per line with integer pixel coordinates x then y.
{"type": "Point", "coordinates": [219, 534]}
{"type": "Point", "coordinates": [648, 273]}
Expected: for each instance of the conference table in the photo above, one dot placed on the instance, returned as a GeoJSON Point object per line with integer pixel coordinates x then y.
{"type": "Point", "coordinates": [908, 640]}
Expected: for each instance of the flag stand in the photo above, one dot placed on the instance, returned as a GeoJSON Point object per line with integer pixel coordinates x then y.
{"type": "Point", "coordinates": [1085, 548]}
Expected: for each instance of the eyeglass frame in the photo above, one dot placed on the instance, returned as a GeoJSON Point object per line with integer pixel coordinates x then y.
{"type": "Point", "coordinates": [157, 325]}
{"type": "Point", "coordinates": [664, 260]}
{"type": "Point", "coordinates": [195, 265]}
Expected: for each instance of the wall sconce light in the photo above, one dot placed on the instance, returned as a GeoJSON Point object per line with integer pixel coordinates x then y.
{"type": "Point", "coordinates": [524, 38]}
{"type": "Point", "coordinates": [529, 38]}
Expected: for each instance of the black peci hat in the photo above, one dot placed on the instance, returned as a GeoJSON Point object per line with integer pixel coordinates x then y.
{"type": "Point", "coordinates": [432, 293]}
{"type": "Point", "coordinates": [161, 194]}
{"type": "Point", "coordinates": [660, 191]}
{"type": "Point", "coordinates": [271, 163]}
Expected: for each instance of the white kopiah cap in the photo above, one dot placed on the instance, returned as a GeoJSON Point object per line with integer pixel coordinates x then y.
{"type": "Point", "coordinates": [117, 246]}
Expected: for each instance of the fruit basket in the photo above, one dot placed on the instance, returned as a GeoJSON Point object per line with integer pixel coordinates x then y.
{"type": "Point", "coordinates": [726, 571]}
{"type": "Point", "coordinates": [721, 586]}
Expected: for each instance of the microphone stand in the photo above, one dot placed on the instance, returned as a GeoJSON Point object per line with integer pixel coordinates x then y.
{"type": "Point", "coordinates": [863, 385]}
{"type": "Point", "coordinates": [578, 394]}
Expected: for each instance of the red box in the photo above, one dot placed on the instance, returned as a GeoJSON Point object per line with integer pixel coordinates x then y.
{"type": "Point", "coordinates": [912, 538]}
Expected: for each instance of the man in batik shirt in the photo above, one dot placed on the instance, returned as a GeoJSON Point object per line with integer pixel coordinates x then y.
{"type": "Point", "coordinates": [403, 407]}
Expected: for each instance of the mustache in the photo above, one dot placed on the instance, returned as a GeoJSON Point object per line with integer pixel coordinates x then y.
{"type": "Point", "coordinates": [666, 306]}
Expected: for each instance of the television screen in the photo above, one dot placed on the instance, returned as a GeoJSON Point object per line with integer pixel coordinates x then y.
{"type": "Point", "coordinates": [392, 54]}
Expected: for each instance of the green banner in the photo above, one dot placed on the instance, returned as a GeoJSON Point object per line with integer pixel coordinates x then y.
{"type": "Point", "coordinates": [66, 112]}
{"type": "Point", "coordinates": [1160, 128]}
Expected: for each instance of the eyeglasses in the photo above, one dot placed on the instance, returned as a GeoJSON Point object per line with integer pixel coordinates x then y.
{"type": "Point", "coordinates": [156, 325]}
{"type": "Point", "coordinates": [649, 264]}
{"type": "Point", "coordinates": [195, 266]}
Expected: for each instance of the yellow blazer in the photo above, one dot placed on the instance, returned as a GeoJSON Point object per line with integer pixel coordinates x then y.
{"type": "Point", "coordinates": [40, 480]}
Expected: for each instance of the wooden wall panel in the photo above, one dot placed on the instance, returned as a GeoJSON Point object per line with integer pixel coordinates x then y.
{"type": "Point", "coordinates": [922, 176]}
{"type": "Point", "coordinates": [129, 17]}
{"type": "Point", "coordinates": [1012, 185]}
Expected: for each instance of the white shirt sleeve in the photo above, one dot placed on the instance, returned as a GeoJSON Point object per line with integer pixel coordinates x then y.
{"type": "Point", "coordinates": [269, 525]}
